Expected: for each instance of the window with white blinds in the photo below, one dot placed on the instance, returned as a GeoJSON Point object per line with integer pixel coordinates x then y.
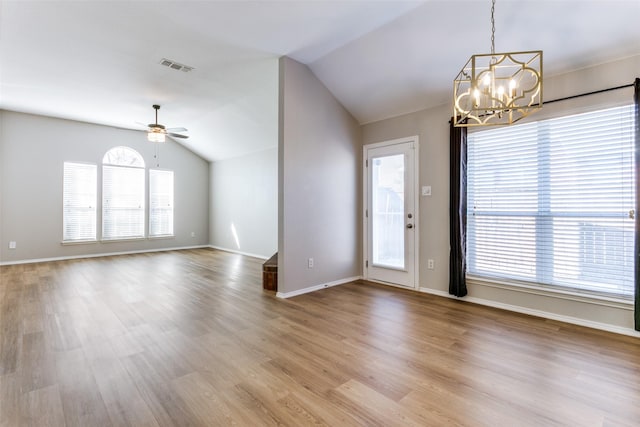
{"type": "Point", "coordinates": [123, 194]}
{"type": "Point", "coordinates": [160, 203]}
{"type": "Point", "coordinates": [79, 202]}
{"type": "Point", "coordinates": [552, 202]}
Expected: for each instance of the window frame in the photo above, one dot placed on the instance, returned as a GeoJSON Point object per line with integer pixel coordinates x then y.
{"type": "Point", "coordinates": [99, 192]}
{"type": "Point", "coordinates": [93, 239]}
{"type": "Point", "coordinates": [151, 209]}
{"type": "Point", "coordinates": [137, 166]}
{"type": "Point", "coordinates": [505, 281]}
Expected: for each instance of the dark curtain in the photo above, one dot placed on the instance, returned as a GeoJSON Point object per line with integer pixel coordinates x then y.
{"type": "Point", "coordinates": [636, 98]}
{"type": "Point", "coordinates": [457, 210]}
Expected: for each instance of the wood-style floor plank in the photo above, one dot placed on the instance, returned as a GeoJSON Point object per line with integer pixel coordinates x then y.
{"type": "Point", "coordinates": [11, 399]}
{"type": "Point", "coordinates": [37, 364]}
{"type": "Point", "coordinates": [82, 402]}
{"type": "Point", "coordinates": [42, 407]}
{"type": "Point", "coordinates": [189, 338]}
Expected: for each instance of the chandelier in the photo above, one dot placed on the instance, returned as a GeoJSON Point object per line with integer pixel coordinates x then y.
{"type": "Point", "coordinates": [497, 88]}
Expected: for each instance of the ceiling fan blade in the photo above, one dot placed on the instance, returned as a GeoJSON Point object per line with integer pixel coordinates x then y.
{"type": "Point", "coordinates": [177, 130]}
{"type": "Point", "coordinates": [177, 135]}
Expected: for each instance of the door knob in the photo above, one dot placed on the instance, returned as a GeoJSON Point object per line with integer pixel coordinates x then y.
{"type": "Point", "coordinates": [409, 225]}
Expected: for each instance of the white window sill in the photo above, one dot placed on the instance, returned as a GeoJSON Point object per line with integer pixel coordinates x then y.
{"type": "Point", "coordinates": [567, 294]}
{"type": "Point", "coordinates": [78, 242]}
{"type": "Point", "coordinates": [129, 239]}
{"type": "Point", "coordinates": [126, 239]}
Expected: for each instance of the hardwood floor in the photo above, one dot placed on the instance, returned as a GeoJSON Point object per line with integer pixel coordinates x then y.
{"type": "Point", "coordinates": [189, 338]}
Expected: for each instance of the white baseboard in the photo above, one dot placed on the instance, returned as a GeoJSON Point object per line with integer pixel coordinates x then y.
{"type": "Point", "coordinates": [65, 258]}
{"type": "Point", "coordinates": [285, 295]}
{"type": "Point", "coordinates": [538, 313]}
{"type": "Point", "coordinates": [239, 252]}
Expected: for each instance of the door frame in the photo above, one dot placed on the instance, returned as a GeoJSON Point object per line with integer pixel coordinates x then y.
{"type": "Point", "coordinates": [416, 211]}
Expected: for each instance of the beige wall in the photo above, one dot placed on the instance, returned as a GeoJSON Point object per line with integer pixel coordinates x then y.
{"type": "Point", "coordinates": [244, 201]}
{"type": "Point", "coordinates": [319, 185]}
{"type": "Point", "coordinates": [433, 132]}
{"type": "Point", "coordinates": [33, 150]}
{"type": "Point", "coordinates": [319, 189]}
{"type": "Point", "coordinates": [432, 127]}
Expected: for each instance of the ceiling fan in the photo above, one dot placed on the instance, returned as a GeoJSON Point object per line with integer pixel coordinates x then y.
{"type": "Point", "coordinates": [157, 132]}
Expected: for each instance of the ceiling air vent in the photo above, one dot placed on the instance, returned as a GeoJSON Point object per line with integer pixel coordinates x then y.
{"type": "Point", "coordinates": [175, 65]}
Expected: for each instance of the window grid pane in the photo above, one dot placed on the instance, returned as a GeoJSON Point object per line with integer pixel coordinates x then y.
{"type": "Point", "coordinates": [549, 202]}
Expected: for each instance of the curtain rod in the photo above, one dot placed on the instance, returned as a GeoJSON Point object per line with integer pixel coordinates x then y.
{"type": "Point", "coordinates": [636, 82]}
{"type": "Point", "coordinates": [588, 93]}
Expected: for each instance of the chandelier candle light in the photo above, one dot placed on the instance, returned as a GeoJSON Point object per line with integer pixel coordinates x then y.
{"type": "Point", "coordinates": [497, 88]}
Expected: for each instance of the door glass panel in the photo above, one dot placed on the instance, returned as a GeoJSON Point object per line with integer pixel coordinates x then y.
{"type": "Point", "coordinates": [388, 211]}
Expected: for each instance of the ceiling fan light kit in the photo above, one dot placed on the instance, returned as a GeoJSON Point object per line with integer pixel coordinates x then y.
{"type": "Point", "coordinates": [497, 88]}
{"type": "Point", "coordinates": [158, 133]}
{"type": "Point", "coordinates": [155, 136]}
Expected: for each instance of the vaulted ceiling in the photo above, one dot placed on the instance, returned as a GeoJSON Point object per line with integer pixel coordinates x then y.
{"type": "Point", "coordinates": [99, 61]}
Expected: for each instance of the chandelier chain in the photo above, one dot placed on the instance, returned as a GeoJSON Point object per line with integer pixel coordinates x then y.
{"type": "Point", "coordinates": [493, 27]}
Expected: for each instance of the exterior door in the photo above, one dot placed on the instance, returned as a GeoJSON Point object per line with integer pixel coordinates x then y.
{"type": "Point", "coordinates": [390, 212]}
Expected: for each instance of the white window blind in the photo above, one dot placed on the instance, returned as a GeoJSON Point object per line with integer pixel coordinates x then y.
{"type": "Point", "coordinates": [160, 203]}
{"type": "Point", "coordinates": [79, 202]}
{"type": "Point", "coordinates": [552, 202]}
{"type": "Point", "coordinates": [123, 195]}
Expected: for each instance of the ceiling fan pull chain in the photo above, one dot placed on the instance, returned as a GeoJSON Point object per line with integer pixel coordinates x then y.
{"type": "Point", "coordinates": [157, 154]}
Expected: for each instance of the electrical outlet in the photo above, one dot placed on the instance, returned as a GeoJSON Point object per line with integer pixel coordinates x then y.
{"type": "Point", "coordinates": [193, 234]}
{"type": "Point", "coordinates": [12, 245]}
{"type": "Point", "coordinates": [426, 190]}
{"type": "Point", "coordinates": [430, 264]}
{"type": "Point", "coordinates": [310, 262]}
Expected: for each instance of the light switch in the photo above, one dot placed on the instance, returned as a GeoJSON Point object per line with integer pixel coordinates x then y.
{"type": "Point", "coordinates": [426, 190]}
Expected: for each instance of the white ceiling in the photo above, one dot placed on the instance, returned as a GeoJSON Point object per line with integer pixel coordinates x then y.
{"type": "Point", "coordinates": [98, 61]}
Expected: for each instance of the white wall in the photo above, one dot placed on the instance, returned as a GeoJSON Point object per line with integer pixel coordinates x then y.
{"type": "Point", "coordinates": [33, 150]}
{"type": "Point", "coordinates": [244, 201]}
{"type": "Point", "coordinates": [319, 184]}
{"type": "Point", "coordinates": [433, 129]}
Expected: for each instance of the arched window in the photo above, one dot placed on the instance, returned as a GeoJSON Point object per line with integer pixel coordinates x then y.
{"type": "Point", "coordinates": [123, 156]}
{"type": "Point", "coordinates": [123, 194]}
